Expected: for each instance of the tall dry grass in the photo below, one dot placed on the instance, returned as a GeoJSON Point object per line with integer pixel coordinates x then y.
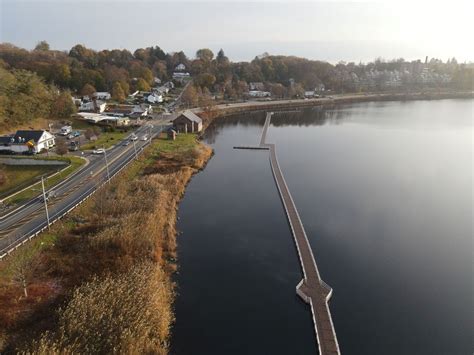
{"type": "Point", "coordinates": [117, 251]}
{"type": "Point", "coordinates": [125, 313]}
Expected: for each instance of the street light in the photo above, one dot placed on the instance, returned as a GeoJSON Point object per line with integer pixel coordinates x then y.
{"type": "Point", "coordinates": [45, 202]}
{"type": "Point", "coordinates": [106, 164]}
{"type": "Point", "coordinates": [135, 148]}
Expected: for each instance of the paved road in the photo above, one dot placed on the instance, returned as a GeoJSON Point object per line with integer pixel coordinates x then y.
{"type": "Point", "coordinates": [31, 217]}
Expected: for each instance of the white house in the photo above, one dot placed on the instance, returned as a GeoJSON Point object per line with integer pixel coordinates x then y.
{"type": "Point", "coordinates": [256, 86]}
{"type": "Point", "coordinates": [102, 95]}
{"type": "Point", "coordinates": [27, 141]}
{"type": "Point", "coordinates": [180, 67]}
{"type": "Point", "coordinates": [179, 76]}
{"type": "Point", "coordinates": [154, 98]}
{"type": "Point", "coordinates": [257, 93]}
{"type": "Point", "coordinates": [93, 106]}
{"type": "Point", "coordinates": [319, 88]}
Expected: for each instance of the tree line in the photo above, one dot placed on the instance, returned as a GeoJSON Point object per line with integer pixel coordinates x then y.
{"type": "Point", "coordinates": [82, 71]}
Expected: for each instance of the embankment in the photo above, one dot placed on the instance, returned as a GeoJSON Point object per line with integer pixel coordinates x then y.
{"type": "Point", "coordinates": [282, 105]}
{"type": "Point", "coordinates": [99, 281]}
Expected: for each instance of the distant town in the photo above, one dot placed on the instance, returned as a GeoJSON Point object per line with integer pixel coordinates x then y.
{"type": "Point", "coordinates": [96, 151]}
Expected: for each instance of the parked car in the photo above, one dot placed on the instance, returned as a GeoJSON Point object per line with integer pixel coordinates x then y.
{"type": "Point", "coordinates": [98, 151]}
{"type": "Point", "coordinates": [144, 138]}
{"type": "Point", "coordinates": [76, 133]}
{"type": "Point", "coordinates": [133, 137]}
{"type": "Point", "coordinates": [65, 130]}
{"type": "Point", "coordinates": [125, 143]}
{"type": "Point", "coordinates": [73, 146]}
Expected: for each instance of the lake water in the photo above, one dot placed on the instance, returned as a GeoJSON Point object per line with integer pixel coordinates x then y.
{"type": "Point", "coordinates": [384, 191]}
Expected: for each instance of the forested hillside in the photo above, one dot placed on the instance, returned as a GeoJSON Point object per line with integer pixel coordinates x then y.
{"type": "Point", "coordinates": [35, 83]}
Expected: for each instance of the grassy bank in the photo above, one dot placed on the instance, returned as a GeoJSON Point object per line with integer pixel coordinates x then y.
{"type": "Point", "coordinates": [105, 140]}
{"type": "Point", "coordinates": [99, 281]}
{"type": "Point", "coordinates": [74, 164]}
{"type": "Point", "coordinates": [18, 176]}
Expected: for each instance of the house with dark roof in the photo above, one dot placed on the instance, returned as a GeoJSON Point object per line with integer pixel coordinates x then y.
{"type": "Point", "coordinates": [187, 121]}
{"type": "Point", "coordinates": [25, 141]}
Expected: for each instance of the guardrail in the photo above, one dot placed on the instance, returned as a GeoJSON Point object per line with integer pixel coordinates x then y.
{"type": "Point", "coordinates": [65, 210]}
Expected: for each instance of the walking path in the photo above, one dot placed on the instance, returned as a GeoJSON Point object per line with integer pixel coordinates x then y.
{"type": "Point", "coordinates": [311, 289]}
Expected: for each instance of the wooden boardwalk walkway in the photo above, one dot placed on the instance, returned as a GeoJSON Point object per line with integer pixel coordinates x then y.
{"type": "Point", "coordinates": [311, 289]}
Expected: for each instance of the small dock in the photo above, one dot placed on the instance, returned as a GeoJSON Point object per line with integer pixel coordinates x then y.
{"type": "Point", "coordinates": [312, 289]}
{"type": "Point", "coordinates": [251, 147]}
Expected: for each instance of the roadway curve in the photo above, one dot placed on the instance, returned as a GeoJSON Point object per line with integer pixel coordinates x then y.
{"type": "Point", "coordinates": [25, 222]}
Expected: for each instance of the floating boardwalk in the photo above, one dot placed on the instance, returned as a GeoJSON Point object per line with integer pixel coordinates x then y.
{"type": "Point", "coordinates": [311, 289]}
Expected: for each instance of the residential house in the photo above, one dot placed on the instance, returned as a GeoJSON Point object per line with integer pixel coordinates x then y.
{"type": "Point", "coordinates": [102, 95]}
{"type": "Point", "coordinates": [319, 88]}
{"type": "Point", "coordinates": [154, 98]}
{"type": "Point", "coordinates": [187, 121]}
{"type": "Point", "coordinates": [93, 106]}
{"type": "Point", "coordinates": [26, 141]}
{"type": "Point", "coordinates": [258, 93]}
{"type": "Point", "coordinates": [180, 76]}
{"type": "Point", "coordinates": [180, 67]}
{"type": "Point", "coordinates": [256, 86]}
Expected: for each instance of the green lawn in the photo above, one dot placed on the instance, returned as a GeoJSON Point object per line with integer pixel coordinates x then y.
{"type": "Point", "coordinates": [160, 145]}
{"type": "Point", "coordinates": [106, 139]}
{"type": "Point", "coordinates": [32, 191]}
{"type": "Point", "coordinates": [22, 176]}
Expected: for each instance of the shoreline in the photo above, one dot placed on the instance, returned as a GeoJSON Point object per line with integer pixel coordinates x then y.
{"type": "Point", "coordinates": [223, 110]}
{"type": "Point", "coordinates": [146, 244]}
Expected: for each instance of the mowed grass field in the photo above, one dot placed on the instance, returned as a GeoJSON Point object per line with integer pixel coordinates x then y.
{"type": "Point", "coordinates": [74, 164]}
{"type": "Point", "coordinates": [105, 140]}
{"type": "Point", "coordinates": [22, 176]}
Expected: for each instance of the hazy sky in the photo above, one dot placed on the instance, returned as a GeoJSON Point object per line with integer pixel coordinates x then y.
{"type": "Point", "coordinates": [333, 31]}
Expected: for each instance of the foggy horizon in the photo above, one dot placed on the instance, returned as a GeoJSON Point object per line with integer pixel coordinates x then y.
{"type": "Point", "coordinates": [327, 31]}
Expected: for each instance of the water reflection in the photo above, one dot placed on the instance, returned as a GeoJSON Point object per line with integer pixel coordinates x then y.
{"type": "Point", "coordinates": [385, 193]}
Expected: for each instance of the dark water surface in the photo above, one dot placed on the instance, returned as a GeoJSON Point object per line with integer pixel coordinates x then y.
{"type": "Point", "coordinates": [385, 193]}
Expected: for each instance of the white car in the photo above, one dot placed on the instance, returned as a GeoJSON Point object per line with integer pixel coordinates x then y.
{"type": "Point", "coordinates": [98, 151]}
{"type": "Point", "coordinates": [133, 137]}
{"type": "Point", "coordinates": [144, 138]}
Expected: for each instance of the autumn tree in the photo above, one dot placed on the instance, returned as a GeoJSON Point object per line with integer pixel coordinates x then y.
{"type": "Point", "coordinates": [206, 101]}
{"type": "Point", "coordinates": [63, 106]}
{"type": "Point", "coordinates": [61, 147]}
{"type": "Point", "coordinates": [142, 85]}
{"type": "Point", "coordinates": [24, 96]}
{"type": "Point", "coordinates": [190, 96]}
{"type": "Point", "coordinates": [42, 46]}
{"type": "Point", "coordinates": [205, 80]}
{"type": "Point", "coordinates": [88, 90]}
{"type": "Point", "coordinates": [205, 54]}
{"type": "Point", "coordinates": [117, 92]}
{"type": "Point", "coordinates": [278, 90]}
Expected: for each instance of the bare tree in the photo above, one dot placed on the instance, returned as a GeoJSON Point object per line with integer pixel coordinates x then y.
{"type": "Point", "coordinates": [22, 266]}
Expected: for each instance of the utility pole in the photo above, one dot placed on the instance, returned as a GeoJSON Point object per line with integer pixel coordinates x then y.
{"type": "Point", "coordinates": [45, 202]}
{"type": "Point", "coordinates": [135, 148]}
{"type": "Point", "coordinates": [106, 164]}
